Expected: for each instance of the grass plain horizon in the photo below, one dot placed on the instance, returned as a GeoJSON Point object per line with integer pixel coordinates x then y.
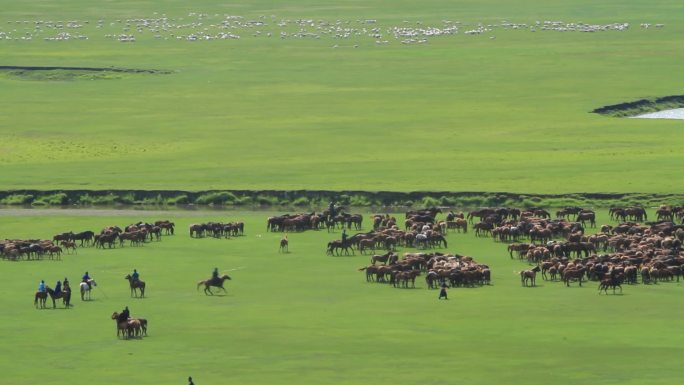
{"type": "Point", "coordinates": [505, 110]}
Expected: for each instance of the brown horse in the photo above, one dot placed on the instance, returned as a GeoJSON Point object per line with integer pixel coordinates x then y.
{"type": "Point", "coordinates": [614, 282]}
{"type": "Point", "coordinates": [337, 245]}
{"type": "Point", "coordinates": [213, 282]}
{"type": "Point", "coordinates": [69, 245]}
{"type": "Point", "coordinates": [573, 274]}
{"type": "Point", "coordinates": [385, 258]}
{"type": "Point", "coordinates": [128, 328]}
{"type": "Point", "coordinates": [529, 275]}
{"type": "Point", "coordinates": [64, 295]}
{"type": "Point", "coordinates": [135, 285]}
{"type": "Point", "coordinates": [41, 297]}
{"type": "Point", "coordinates": [121, 327]}
{"type": "Point", "coordinates": [366, 244]}
{"type": "Point", "coordinates": [284, 244]}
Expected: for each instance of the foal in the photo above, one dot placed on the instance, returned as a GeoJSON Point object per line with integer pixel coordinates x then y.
{"type": "Point", "coordinates": [284, 245]}
{"type": "Point", "coordinates": [530, 275]}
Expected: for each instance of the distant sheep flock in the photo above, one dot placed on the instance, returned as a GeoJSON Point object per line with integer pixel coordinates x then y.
{"type": "Point", "coordinates": [197, 27]}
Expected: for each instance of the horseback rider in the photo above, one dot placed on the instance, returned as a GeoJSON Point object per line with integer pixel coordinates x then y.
{"type": "Point", "coordinates": [86, 278]}
{"type": "Point", "coordinates": [41, 286]}
{"type": "Point", "coordinates": [65, 285]}
{"type": "Point", "coordinates": [331, 210]}
{"type": "Point", "coordinates": [135, 275]}
{"type": "Point", "coordinates": [344, 237]}
{"type": "Point", "coordinates": [215, 275]}
{"type": "Point", "coordinates": [123, 317]}
{"type": "Point", "coordinates": [450, 217]}
{"type": "Point", "coordinates": [58, 288]}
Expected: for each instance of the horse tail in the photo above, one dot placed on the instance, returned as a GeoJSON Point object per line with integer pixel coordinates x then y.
{"type": "Point", "coordinates": [199, 284]}
{"type": "Point", "coordinates": [35, 301]}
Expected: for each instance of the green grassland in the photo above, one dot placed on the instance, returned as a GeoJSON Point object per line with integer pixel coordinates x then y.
{"type": "Point", "coordinates": [460, 113]}
{"type": "Point", "coordinates": [307, 318]}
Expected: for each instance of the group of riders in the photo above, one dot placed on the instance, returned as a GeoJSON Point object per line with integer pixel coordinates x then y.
{"type": "Point", "coordinates": [63, 286]}
{"type": "Point", "coordinates": [60, 287]}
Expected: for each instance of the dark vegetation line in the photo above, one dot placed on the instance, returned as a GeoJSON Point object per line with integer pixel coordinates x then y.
{"type": "Point", "coordinates": [320, 198]}
{"type": "Point", "coordinates": [91, 69]}
{"type": "Point", "coordinates": [642, 106]}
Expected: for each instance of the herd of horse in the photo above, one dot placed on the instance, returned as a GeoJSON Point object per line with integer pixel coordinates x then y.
{"type": "Point", "coordinates": [217, 229]}
{"type": "Point", "coordinates": [314, 221]}
{"type": "Point", "coordinates": [622, 254]}
{"type": "Point", "coordinates": [439, 269]}
{"type": "Point", "coordinates": [628, 252]}
{"type": "Point", "coordinates": [422, 231]}
{"type": "Point", "coordinates": [34, 249]}
{"type": "Point", "coordinates": [136, 234]}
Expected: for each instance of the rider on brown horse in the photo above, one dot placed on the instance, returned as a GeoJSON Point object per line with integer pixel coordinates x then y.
{"type": "Point", "coordinates": [123, 317]}
{"type": "Point", "coordinates": [58, 288]}
{"type": "Point", "coordinates": [215, 275]}
{"type": "Point", "coordinates": [331, 210]}
{"type": "Point", "coordinates": [135, 275]}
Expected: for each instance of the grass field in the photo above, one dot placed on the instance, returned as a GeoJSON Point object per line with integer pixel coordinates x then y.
{"type": "Point", "coordinates": [460, 113]}
{"type": "Point", "coordinates": [307, 318]}
{"type": "Point", "coordinates": [505, 110]}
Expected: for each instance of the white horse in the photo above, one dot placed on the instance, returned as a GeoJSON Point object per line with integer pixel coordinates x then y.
{"type": "Point", "coordinates": [85, 288]}
{"type": "Point", "coordinates": [421, 239]}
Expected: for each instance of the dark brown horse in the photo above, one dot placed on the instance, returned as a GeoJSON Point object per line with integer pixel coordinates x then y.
{"type": "Point", "coordinates": [613, 282]}
{"type": "Point", "coordinates": [41, 297]}
{"type": "Point", "coordinates": [585, 216]}
{"type": "Point", "coordinates": [64, 295]}
{"type": "Point", "coordinates": [135, 285]}
{"type": "Point", "coordinates": [390, 258]}
{"type": "Point", "coordinates": [337, 245]}
{"type": "Point", "coordinates": [197, 230]}
{"type": "Point", "coordinates": [213, 282]}
{"type": "Point", "coordinates": [122, 328]}
{"type": "Point", "coordinates": [570, 275]}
